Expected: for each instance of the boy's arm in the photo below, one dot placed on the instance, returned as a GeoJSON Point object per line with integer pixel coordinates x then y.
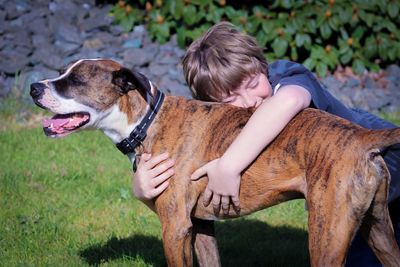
{"type": "Point", "coordinates": [264, 125]}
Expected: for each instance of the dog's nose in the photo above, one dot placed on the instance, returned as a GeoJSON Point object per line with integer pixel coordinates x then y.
{"type": "Point", "coordinates": [37, 89]}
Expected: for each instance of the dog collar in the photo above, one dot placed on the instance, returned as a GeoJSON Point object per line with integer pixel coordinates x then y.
{"type": "Point", "coordinates": [137, 136]}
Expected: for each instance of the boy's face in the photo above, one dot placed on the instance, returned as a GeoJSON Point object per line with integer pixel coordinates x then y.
{"type": "Point", "coordinates": [251, 92]}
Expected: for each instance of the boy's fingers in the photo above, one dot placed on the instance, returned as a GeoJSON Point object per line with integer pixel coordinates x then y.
{"type": "Point", "coordinates": [216, 202]}
{"type": "Point", "coordinates": [162, 167]}
{"type": "Point", "coordinates": [143, 158]}
{"type": "Point", "coordinates": [207, 197]}
{"type": "Point", "coordinates": [160, 188]}
{"type": "Point", "coordinates": [163, 177]}
{"type": "Point", "coordinates": [236, 203]}
{"type": "Point", "coordinates": [198, 173]}
{"type": "Point", "coordinates": [146, 156]}
{"type": "Point", "coordinates": [151, 163]}
{"type": "Point", "coordinates": [225, 204]}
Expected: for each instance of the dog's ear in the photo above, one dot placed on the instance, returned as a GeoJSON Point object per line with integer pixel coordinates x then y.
{"type": "Point", "coordinates": [127, 80]}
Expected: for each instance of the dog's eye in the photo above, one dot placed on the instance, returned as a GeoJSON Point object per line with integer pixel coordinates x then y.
{"type": "Point", "coordinates": [75, 79]}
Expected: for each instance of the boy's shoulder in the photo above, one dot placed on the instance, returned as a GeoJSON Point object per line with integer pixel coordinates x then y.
{"type": "Point", "coordinates": [281, 69]}
{"type": "Point", "coordinates": [282, 66]}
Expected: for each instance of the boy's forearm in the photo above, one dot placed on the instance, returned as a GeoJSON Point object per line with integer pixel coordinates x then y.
{"type": "Point", "coordinates": [261, 129]}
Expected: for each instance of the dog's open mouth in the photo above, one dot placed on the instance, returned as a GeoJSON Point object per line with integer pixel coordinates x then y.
{"type": "Point", "coordinates": [62, 124]}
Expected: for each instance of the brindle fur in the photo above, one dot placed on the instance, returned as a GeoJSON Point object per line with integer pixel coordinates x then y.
{"type": "Point", "coordinates": [326, 161]}
{"type": "Point", "coordinates": [332, 163]}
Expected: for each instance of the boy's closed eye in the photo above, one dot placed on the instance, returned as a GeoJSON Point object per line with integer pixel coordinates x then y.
{"type": "Point", "coordinates": [229, 99]}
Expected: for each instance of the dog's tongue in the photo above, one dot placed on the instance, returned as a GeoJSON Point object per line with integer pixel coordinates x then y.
{"type": "Point", "coordinates": [57, 121]}
{"type": "Point", "coordinates": [62, 124]}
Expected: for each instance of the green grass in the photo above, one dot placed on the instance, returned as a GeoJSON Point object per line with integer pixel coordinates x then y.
{"type": "Point", "coordinates": [67, 202]}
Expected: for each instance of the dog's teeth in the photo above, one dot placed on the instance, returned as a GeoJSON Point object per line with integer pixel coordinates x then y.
{"type": "Point", "coordinates": [51, 126]}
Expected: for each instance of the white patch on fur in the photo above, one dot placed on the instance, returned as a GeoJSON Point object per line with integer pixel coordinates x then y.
{"type": "Point", "coordinates": [115, 125]}
{"type": "Point", "coordinates": [71, 67]}
{"type": "Point", "coordinates": [63, 105]}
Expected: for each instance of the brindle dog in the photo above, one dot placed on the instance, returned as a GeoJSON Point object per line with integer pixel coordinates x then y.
{"type": "Point", "coordinates": [334, 164]}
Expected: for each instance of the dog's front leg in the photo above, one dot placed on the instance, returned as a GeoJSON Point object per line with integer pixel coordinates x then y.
{"type": "Point", "coordinates": [204, 243]}
{"type": "Point", "coordinates": [177, 240]}
{"type": "Point", "coordinates": [174, 214]}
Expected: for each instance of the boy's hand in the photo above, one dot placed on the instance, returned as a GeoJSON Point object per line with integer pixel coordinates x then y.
{"type": "Point", "coordinates": [151, 176]}
{"type": "Point", "coordinates": [223, 185]}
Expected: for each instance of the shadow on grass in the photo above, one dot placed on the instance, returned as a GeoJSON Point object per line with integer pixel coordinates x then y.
{"type": "Point", "coordinates": [241, 243]}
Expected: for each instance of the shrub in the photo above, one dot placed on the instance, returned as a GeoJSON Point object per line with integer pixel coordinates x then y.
{"type": "Point", "coordinates": [319, 34]}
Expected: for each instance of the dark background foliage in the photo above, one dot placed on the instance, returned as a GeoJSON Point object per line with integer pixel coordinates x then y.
{"type": "Point", "coordinates": [320, 34]}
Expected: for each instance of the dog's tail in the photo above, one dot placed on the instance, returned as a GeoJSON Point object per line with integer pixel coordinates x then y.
{"type": "Point", "coordinates": [381, 138]}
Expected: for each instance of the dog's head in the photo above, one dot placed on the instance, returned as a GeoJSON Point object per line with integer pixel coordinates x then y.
{"type": "Point", "coordinates": [84, 93]}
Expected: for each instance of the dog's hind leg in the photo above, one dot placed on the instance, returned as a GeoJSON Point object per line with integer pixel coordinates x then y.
{"type": "Point", "coordinates": [376, 227]}
{"type": "Point", "coordinates": [204, 243]}
{"type": "Point", "coordinates": [337, 202]}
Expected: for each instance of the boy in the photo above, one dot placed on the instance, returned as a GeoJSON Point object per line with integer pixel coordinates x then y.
{"type": "Point", "coordinates": [228, 66]}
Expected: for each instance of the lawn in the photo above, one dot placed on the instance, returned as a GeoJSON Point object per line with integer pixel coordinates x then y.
{"type": "Point", "coordinates": [67, 202]}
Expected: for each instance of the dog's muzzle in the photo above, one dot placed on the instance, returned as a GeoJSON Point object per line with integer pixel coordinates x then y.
{"type": "Point", "coordinates": [37, 90]}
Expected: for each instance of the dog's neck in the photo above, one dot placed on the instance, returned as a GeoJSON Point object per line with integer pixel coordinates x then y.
{"type": "Point", "coordinates": [120, 120]}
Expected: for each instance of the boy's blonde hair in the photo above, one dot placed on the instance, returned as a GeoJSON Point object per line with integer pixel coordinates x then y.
{"type": "Point", "coordinates": [216, 64]}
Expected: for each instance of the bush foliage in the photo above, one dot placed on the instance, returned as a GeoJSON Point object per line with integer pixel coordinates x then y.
{"type": "Point", "coordinates": [320, 34]}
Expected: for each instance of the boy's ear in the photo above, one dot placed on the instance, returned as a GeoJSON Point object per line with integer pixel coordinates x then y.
{"type": "Point", "coordinates": [126, 80]}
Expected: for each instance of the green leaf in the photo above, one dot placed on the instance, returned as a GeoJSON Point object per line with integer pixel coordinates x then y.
{"type": "Point", "coordinates": [370, 47]}
{"type": "Point", "coordinates": [346, 57]}
{"type": "Point", "coordinates": [181, 36]}
{"type": "Point", "coordinates": [286, 4]}
{"type": "Point", "coordinates": [344, 33]}
{"type": "Point", "coordinates": [280, 46]}
{"type": "Point", "coordinates": [320, 19]}
{"type": "Point", "coordinates": [261, 38]}
{"type": "Point", "coordinates": [311, 26]}
{"type": "Point", "coordinates": [299, 39]}
{"type": "Point", "coordinates": [307, 42]}
{"type": "Point", "coordinates": [268, 26]}
{"type": "Point", "coordinates": [359, 32]}
{"type": "Point", "coordinates": [317, 52]}
{"type": "Point", "coordinates": [367, 18]}
{"type": "Point", "coordinates": [331, 58]}
{"type": "Point", "coordinates": [127, 23]}
{"type": "Point", "coordinates": [334, 22]}
{"type": "Point", "coordinates": [215, 15]}
{"type": "Point", "coordinates": [345, 15]}
{"type": "Point", "coordinates": [230, 12]}
{"type": "Point", "coordinates": [176, 9]}
{"type": "Point", "coordinates": [392, 54]}
{"type": "Point", "coordinates": [293, 53]}
{"type": "Point", "coordinates": [310, 63]}
{"type": "Point", "coordinates": [393, 9]}
{"type": "Point", "coordinates": [325, 30]}
{"type": "Point", "coordinates": [322, 69]}
{"type": "Point", "coordinates": [358, 66]}
{"type": "Point", "coordinates": [189, 14]}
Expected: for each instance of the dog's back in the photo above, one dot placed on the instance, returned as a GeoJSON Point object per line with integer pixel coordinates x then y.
{"type": "Point", "coordinates": [286, 169]}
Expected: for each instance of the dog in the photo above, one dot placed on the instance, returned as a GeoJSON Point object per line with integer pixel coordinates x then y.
{"type": "Point", "coordinates": [334, 164]}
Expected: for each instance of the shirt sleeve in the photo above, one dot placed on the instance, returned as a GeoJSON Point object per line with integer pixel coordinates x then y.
{"type": "Point", "coordinates": [284, 72]}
